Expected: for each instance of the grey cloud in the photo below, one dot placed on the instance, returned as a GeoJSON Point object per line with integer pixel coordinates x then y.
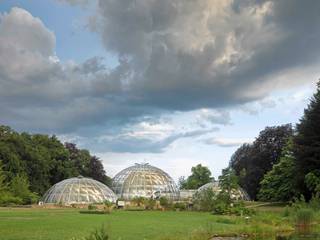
{"type": "Point", "coordinates": [208, 53]}
{"type": "Point", "coordinates": [226, 142]}
{"type": "Point", "coordinates": [131, 144]}
{"type": "Point", "coordinates": [75, 2]}
{"type": "Point", "coordinates": [174, 55]}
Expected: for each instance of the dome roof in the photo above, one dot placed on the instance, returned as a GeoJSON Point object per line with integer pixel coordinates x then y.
{"type": "Point", "coordinates": [144, 180]}
{"type": "Point", "coordinates": [236, 194]}
{"type": "Point", "coordinates": [79, 190]}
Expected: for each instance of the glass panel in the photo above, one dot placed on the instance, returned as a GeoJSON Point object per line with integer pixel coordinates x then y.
{"type": "Point", "coordinates": [79, 190]}
{"type": "Point", "coordinates": [144, 180]}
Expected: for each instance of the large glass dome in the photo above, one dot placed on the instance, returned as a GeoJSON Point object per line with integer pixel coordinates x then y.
{"type": "Point", "coordinates": [78, 190]}
{"type": "Point", "coordinates": [239, 194]}
{"type": "Point", "coordinates": [144, 180]}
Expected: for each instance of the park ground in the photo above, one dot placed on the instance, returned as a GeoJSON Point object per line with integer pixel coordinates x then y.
{"type": "Point", "coordinates": [58, 224]}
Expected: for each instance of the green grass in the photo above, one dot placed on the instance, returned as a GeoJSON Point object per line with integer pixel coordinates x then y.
{"type": "Point", "coordinates": [59, 224]}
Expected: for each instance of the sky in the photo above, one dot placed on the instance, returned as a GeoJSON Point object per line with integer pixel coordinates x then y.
{"type": "Point", "coordinates": [173, 83]}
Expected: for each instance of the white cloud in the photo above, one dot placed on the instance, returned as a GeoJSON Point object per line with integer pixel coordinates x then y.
{"type": "Point", "coordinates": [227, 142]}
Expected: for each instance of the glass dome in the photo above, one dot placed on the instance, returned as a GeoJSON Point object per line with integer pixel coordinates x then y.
{"type": "Point", "coordinates": [144, 180]}
{"type": "Point", "coordinates": [78, 190]}
{"type": "Point", "coordinates": [239, 194]}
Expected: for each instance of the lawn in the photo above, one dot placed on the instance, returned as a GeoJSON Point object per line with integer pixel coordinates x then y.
{"type": "Point", "coordinates": [58, 224]}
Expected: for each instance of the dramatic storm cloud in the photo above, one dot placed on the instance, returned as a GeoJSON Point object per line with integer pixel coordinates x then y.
{"type": "Point", "coordinates": [171, 56]}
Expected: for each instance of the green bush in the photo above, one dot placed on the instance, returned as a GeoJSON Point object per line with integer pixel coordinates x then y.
{"type": "Point", "coordinates": [205, 200]}
{"type": "Point", "coordinates": [164, 202]}
{"type": "Point", "coordinates": [98, 234]}
{"type": "Point", "coordinates": [180, 206]}
{"type": "Point", "coordinates": [150, 203]}
{"type": "Point", "coordinates": [92, 207]}
{"type": "Point", "coordinates": [7, 199]}
{"type": "Point", "coordinates": [139, 201]}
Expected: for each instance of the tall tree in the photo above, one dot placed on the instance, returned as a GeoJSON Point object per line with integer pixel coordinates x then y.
{"type": "Point", "coordinates": [251, 162]}
{"type": "Point", "coordinates": [228, 181]}
{"type": "Point", "coordinates": [3, 183]}
{"type": "Point", "coordinates": [307, 145]}
{"type": "Point", "coordinates": [200, 176]}
{"type": "Point", "coordinates": [279, 184]}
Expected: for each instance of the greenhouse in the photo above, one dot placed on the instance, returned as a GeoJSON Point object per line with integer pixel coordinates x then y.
{"type": "Point", "coordinates": [238, 194]}
{"type": "Point", "coordinates": [144, 180]}
{"type": "Point", "coordinates": [78, 190]}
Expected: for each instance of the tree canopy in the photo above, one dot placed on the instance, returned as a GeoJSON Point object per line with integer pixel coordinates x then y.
{"type": "Point", "coordinates": [307, 147]}
{"type": "Point", "coordinates": [36, 162]}
{"type": "Point", "coordinates": [252, 161]}
{"type": "Point", "coordinates": [200, 176]}
{"type": "Point", "coordinates": [279, 184]}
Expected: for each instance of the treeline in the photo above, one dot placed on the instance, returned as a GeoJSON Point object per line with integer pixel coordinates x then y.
{"type": "Point", "coordinates": [283, 162]}
{"type": "Point", "coordinates": [38, 161]}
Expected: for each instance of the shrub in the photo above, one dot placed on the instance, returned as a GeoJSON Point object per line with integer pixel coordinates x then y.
{"type": "Point", "coordinates": [286, 212]}
{"type": "Point", "coordinates": [139, 201]}
{"type": "Point", "coordinates": [92, 207]}
{"type": "Point", "coordinates": [150, 203]}
{"type": "Point", "coordinates": [164, 202]}
{"type": "Point", "coordinates": [7, 199]}
{"type": "Point", "coordinates": [98, 234]}
{"type": "Point", "coordinates": [179, 206]}
{"type": "Point", "coordinates": [205, 200]}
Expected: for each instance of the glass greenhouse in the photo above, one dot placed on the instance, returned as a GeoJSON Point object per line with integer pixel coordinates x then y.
{"type": "Point", "coordinates": [239, 194]}
{"type": "Point", "coordinates": [78, 190]}
{"type": "Point", "coordinates": [144, 180]}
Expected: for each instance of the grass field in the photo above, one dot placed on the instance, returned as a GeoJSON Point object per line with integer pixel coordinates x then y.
{"type": "Point", "coordinates": [58, 224]}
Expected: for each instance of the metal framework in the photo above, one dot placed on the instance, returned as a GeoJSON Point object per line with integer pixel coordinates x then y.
{"type": "Point", "coordinates": [236, 194]}
{"type": "Point", "coordinates": [78, 190]}
{"type": "Point", "coordinates": [144, 180]}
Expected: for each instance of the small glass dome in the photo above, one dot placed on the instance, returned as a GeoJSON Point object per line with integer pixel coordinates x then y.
{"type": "Point", "coordinates": [144, 180]}
{"type": "Point", "coordinates": [239, 194]}
{"type": "Point", "coordinates": [78, 190]}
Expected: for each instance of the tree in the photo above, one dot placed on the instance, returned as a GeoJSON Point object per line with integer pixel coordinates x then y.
{"type": "Point", "coordinates": [228, 181]}
{"type": "Point", "coordinates": [307, 145]}
{"type": "Point", "coordinates": [200, 176]}
{"type": "Point", "coordinates": [251, 162]}
{"type": "Point", "coordinates": [43, 161]}
{"type": "Point", "coordinates": [279, 183]}
{"type": "Point", "coordinates": [19, 187]}
{"type": "Point", "coordinates": [3, 184]}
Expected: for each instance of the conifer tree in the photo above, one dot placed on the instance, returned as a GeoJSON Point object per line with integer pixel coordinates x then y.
{"type": "Point", "coordinates": [307, 145]}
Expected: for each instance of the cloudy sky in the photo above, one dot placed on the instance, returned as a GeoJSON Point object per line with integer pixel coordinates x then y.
{"type": "Point", "coordinates": [170, 82]}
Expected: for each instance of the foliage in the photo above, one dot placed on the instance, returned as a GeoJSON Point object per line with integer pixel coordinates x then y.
{"type": "Point", "coordinates": [3, 183]}
{"type": "Point", "coordinates": [180, 206]}
{"type": "Point", "coordinates": [279, 183]}
{"type": "Point", "coordinates": [108, 204]}
{"type": "Point", "coordinates": [252, 161]}
{"type": "Point", "coordinates": [164, 202]}
{"type": "Point", "coordinates": [150, 203]}
{"type": "Point", "coordinates": [312, 181]}
{"type": "Point", "coordinates": [98, 234]}
{"type": "Point", "coordinates": [43, 161]}
{"type": "Point", "coordinates": [304, 216]}
{"type": "Point", "coordinates": [7, 199]}
{"type": "Point", "coordinates": [306, 146]}
{"type": "Point", "coordinates": [92, 207]}
{"type": "Point", "coordinates": [200, 176]}
{"type": "Point", "coordinates": [139, 201]}
{"type": "Point", "coordinates": [204, 200]}
{"type": "Point", "coordinates": [19, 187]}
{"type": "Point", "coordinates": [228, 181]}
